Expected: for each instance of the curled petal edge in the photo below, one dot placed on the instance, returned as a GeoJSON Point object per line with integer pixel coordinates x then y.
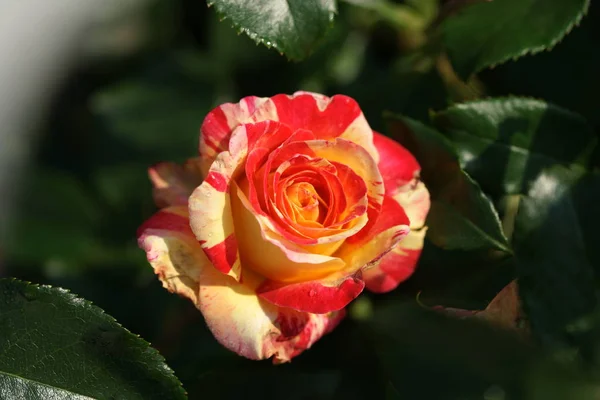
{"type": "Point", "coordinates": [239, 319]}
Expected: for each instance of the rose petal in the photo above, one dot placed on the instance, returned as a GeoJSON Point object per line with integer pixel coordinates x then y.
{"type": "Point", "coordinates": [345, 152]}
{"type": "Point", "coordinates": [220, 123]}
{"type": "Point", "coordinates": [336, 290]}
{"type": "Point", "coordinates": [338, 116]}
{"type": "Point", "coordinates": [317, 297]}
{"type": "Point", "coordinates": [173, 223]}
{"type": "Point", "coordinates": [173, 183]}
{"type": "Point", "coordinates": [414, 199]}
{"type": "Point", "coordinates": [348, 202]}
{"type": "Point", "coordinates": [397, 265]}
{"type": "Point", "coordinates": [388, 230]}
{"type": "Point", "coordinates": [396, 164]}
{"type": "Point", "coordinates": [329, 118]}
{"type": "Point", "coordinates": [270, 254]}
{"type": "Point", "coordinates": [209, 204]}
{"type": "Point", "coordinates": [237, 317]}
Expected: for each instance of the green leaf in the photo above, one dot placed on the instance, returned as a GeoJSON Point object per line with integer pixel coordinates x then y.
{"type": "Point", "coordinates": [56, 345]}
{"type": "Point", "coordinates": [461, 216]}
{"type": "Point", "coordinates": [558, 259]}
{"type": "Point", "coordinates": [505, 143]}
{"type": "Point", "coordinates": [429, 355]}
{"type": "Point", "coordinates": [492, 32]}
{"type": "Point", "coordinates": [536, 75]}
{"type": "Point", "coordinates": [291, 26]}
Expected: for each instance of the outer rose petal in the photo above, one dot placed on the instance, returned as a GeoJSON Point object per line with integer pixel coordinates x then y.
{"type": "Point", "coordinates": [397, 265]}
{"type": "Point", "coordinates": [173, 183]}
{"type": "Point", "coordinates": [220, 123]}
{"type": "Point", "coordinates": [317, 297]}
{"type": "Point", "coordinates": [338, 116]}
{"type": "Point", "coordinates": [397, 166]}
{"type": "Point", "coordinates": [238, 319]}
{"type": "Point", "coordinates": [389, 229]}
{"type": "Point", "coordinates": [400, 173]}
{"type": "Point", "coordinates": [328, 117]}
{"type": "Point", "coordinates": [414, 198]}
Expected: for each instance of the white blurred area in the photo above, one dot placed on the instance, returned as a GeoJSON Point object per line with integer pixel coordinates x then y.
{"type": "Point", "coordinates": [41, 42]}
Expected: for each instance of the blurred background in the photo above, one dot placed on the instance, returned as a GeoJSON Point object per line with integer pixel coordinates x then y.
{"type": "Point", "coordinates": [95, 92]}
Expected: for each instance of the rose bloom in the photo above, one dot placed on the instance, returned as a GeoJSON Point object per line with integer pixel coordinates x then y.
{"type": "Point", "coordinates": [293, 206]}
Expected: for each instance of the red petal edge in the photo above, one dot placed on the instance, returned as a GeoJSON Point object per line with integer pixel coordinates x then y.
{"type": "Point", "coordinates": [313, 296]}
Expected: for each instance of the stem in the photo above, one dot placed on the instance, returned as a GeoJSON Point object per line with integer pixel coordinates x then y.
{"type": "Point", "coordinates": [512, 207]}
{"type": "Point", "coordinates": [401, 16]}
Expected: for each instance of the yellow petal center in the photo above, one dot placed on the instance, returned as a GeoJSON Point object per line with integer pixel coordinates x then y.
{"type": "Point", "coordinates": [304, 200]}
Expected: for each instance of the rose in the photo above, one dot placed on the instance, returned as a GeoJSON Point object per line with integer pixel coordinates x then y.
{"type": "Point", "coordinates": [293, 206]}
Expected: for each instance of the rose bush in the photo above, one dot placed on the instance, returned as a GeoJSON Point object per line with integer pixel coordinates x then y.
{"type": "Point", "coordinates": [293, 206]}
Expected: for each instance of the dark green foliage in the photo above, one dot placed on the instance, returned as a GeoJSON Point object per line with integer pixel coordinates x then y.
{"type": "Point", "coordinates": [56, 345]}
{"type": "Point", "coordinates": [492, 32]}
{"type": "Point", "coordinates": [513, 176]}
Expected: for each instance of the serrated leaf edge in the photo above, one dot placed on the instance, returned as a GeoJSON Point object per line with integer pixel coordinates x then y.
{"type": "Point", "coordinates": [499, 99]}
{"type": "Point", "coordinates": [90, 304]}
{"type": "Point", "coordinates": [538, 49]}
{"type": "Point", "coordinates": [265, 42]}
{"type": "Point", "coordinates": [535, 50]}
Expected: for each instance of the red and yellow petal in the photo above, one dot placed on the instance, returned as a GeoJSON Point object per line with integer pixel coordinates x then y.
{"type": "Point", "coordinates": [220, 123]}
{"type": "Point", "coordinates": [210, 204]}
{"type": "Point", "coordinates": [396, 266]}
{"type": "Point", "coordinates": [342, 212]}
{"type": "Point", "coordinates": [173, 183]}
{"type": "Point", "coordinates": [270, 254]}
{"type": "Point", "coordinates": [414, 199]}
{"type": "Point", "coordinates": [389, 229]}
{"type": "Point", "coordinates": [165, 238]}
{"type": "Point", "coordinates": [357, 159]}
{"type": "Point", "coordinates": [328, 117]}
{"type": "Point", "coordinates": [397, 165]}
{"type": "Point", "coordinates": [319, 297]}
{"type": "Point", "coordinates": [336, 290]}
{"type": "Point", "coordinates": [400, 172]}
{"type": "Point", "coordinates": [237, 317]}
{"type": "Point", "coordinates": [210, 207]}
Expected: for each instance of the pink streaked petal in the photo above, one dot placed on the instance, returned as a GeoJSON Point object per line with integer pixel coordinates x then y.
{"type": "Point", "coordinates": [246, 324]}
{"type": "Point", "coordinates": [169, 231]}
{"type": "Point", "coordinates": [174, 183]}
{"type": "Point", "coordinates": [210, 205]}
{"type": "Point", "coordinates": [388, 230]}
{"type": "Point", "coordinates": [328, 117]}
{"type": "Point", "coordinates": [316, 297]}
{"type": "Point", "coordinates": [397, 165]}
{"type": "Point", "coordinates": [310, 328]}
{"type": "Point", "coordinates": [271, 255]}
{"type": "Point", "coordinates": [220, 123]}
{"type": "Point", "coordinates": [414, 199]}
{"type": "Point", "coordinates": [237, 317]}
{"type": "Point", "coordinates": [397, 265]}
